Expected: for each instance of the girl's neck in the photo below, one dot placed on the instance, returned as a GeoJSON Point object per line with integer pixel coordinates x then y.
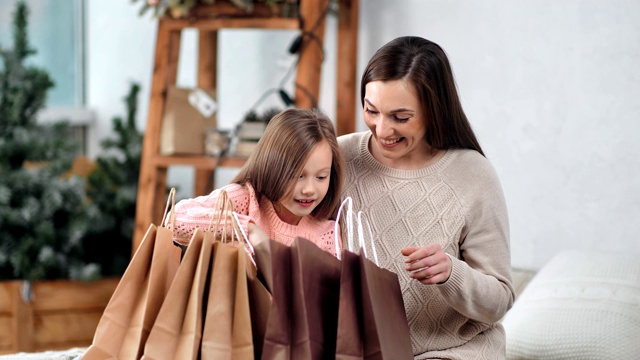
{"type": "Point", "coordinates": [285, 215]}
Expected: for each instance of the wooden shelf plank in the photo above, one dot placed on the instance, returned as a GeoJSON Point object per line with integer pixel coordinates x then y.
{"type": "Point", "coordinates": [199, 162]}
{"type": "Point", "coordinates": [274, 23]}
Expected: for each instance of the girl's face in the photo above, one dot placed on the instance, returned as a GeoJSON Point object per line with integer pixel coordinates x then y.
{"type": "Point", "coordinates": [393, 113]}
{"type": "Point", "coordinates": [307, 191]}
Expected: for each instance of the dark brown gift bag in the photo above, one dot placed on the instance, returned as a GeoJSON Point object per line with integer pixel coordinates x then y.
{"type": "Point", "coordinates": [305, 283]}
{"type": "Point", "coordinates": [273, 262]}
{"type": "Point", "coordinates": [178, 327]}
{"type": "Point", "coordinates": [349, 334]}
{"type": "Point", "coordinates": [385, 328]}
{"type": "Point", "coordinates": [125, 324]}
{"type": "Point", "coordinates": [315, 289]}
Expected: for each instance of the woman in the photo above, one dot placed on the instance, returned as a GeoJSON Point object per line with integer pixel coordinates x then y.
{"type": "Point", "coordinates": [434, 201]}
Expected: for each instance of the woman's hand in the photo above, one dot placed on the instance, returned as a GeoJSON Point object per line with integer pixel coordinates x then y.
{"type": "Point", "coordinates": [429, 264]}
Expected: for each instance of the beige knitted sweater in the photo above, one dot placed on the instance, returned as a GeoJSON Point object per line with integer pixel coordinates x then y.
{"type": "Point", "coordinates": [457, 202]}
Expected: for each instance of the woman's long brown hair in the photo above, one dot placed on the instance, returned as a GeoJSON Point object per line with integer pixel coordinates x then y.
{"type": "Point", "coordinates": [425, 65]}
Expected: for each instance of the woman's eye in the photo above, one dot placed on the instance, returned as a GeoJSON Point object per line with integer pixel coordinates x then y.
{"type": "Point", "coordinates": [373, 112]}
{"type": "Point", "coordinates": [401, 118]}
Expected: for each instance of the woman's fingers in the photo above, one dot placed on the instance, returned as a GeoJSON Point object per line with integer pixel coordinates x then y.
{"type": "Point", "coordinates": [429, 264]}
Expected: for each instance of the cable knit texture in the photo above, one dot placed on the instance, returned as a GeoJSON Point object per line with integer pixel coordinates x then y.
{"type": "Point", "coordinates": [196, 213]}
{"type": "Point", "coordinates": [458, 203]}
{"type": "Point", "coordinates": [580, 305]}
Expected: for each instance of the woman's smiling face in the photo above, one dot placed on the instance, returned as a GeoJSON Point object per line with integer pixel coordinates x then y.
{"type": "Point", "coordinates": [394, 115]}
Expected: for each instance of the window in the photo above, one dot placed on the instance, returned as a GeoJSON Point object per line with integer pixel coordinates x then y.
{"type": "Point", "coordinates": [56, 31]}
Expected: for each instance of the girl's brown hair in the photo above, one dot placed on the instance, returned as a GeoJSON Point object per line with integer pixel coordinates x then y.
{"type": "Point", "coordinates": [425, 65]}
{"type": "Point", "coordinates": [282, 152]}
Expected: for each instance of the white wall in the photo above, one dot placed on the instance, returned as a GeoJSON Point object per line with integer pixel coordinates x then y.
{"type": "Point", "coordinates": [549, 86]}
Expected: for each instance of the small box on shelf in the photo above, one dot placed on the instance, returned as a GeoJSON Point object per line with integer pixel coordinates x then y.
{"type": "Point", "coordinates": [247, 136]}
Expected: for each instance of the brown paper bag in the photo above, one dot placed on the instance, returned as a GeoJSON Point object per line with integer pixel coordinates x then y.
{"type": "Point", "coordinates": [304, 283]}
{"type": "Point", "coordinates": [178, 326]}
{"type": "Point", "coordinates": [184, 127]}
{"type": "Point", "coordinates": [125, 324]}
{"type": "Point", "coordinates": [259, 306]}
{"type": "Point", "coordinates": [315, 286]}
{"type": "Point", "coordinates": [227, 329]}
{"type": "Point", "coordinates": [274, 268]}
{"type": "Point", "coordinates": [349, 333]}
{"type": "Point", "coordinates": [386, 331]}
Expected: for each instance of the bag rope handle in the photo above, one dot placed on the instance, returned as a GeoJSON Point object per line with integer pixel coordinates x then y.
{"type": "Point", "coordinates": [349, 202]}
{"type": "Point", "coordinates": [171, 199]}
{"type": "Point", "coordinates": [361, 217]}
{"type": "Point", "coordinates": [222, 209]}
{"type": "Point", "coordinates": [247, 246]}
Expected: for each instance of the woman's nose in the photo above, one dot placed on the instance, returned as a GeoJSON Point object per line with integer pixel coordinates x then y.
{"type": "Point", "coordinates": [383, 128]}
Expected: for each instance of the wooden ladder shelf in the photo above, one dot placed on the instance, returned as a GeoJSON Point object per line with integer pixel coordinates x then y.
{"type": "Point", "coordinates": [208, 20]}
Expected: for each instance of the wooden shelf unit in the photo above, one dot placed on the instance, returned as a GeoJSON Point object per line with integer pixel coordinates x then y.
{"type": "Point", "coordinates": [208, 20]}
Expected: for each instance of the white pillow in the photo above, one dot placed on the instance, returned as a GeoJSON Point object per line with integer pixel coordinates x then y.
{"type": "Point", "coordinates": [580, 305]}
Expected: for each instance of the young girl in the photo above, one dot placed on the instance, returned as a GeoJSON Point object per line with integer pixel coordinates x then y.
{"type": "Point", "coordinates": [289, 186]}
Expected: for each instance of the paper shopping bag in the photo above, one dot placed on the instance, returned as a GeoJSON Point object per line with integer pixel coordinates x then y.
{"type": "Point", "coordinates": [315, 287]}
{"type": "Point", "coordinates": [227, 327]}
{"type": "Point", "coordinates": [385, 328]}
{"type": "Point", "coordinates": [273, 261]}
{"type": "Point", "coordinates": [259, 306]}
{"type": "Point", "coordinates": [178, 326]}
{"type": "Point", "coordinates": [125, 324]}
{"type": "Point", "coordinates": [350, 324]}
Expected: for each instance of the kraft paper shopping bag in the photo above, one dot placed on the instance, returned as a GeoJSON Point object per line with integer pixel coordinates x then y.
{"type": "Point", "coordinates": [176, 331]}
{"type": "Point", "coordinates": [125, 324]}
{"type": "Point", "coordinates": [227, 329]}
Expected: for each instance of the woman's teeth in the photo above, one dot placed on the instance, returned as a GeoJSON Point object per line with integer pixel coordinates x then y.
{"type": "Point", "coordinates": [389, 142]}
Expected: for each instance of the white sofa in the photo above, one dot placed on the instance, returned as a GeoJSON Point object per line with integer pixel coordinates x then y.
{"type": "Point", "coordinates": [580, 305]}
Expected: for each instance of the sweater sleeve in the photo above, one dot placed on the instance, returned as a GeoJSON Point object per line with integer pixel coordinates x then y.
{"type": "Point", "coordinates": [479, 286]}
{"type": "Point", "coordinates": [195, 213]}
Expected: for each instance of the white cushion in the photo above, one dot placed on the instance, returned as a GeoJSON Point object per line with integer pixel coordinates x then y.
{"type": "Point", "coordinates": [580, 305]}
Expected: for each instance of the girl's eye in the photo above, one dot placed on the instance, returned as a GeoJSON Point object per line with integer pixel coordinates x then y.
{"type": "Point", "coordinates": [322, 177]}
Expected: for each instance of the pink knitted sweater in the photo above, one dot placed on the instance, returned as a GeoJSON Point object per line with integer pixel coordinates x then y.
{"type": "Point", "coordinates": [196, 213]}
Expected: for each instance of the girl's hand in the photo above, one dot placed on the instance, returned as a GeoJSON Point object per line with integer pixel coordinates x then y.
{"type": "Point", "coordinates": [256, 235]}
{"type": "Point", "coordinates": [429, 264]}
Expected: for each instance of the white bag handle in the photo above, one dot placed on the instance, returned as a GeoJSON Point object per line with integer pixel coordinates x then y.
{"type": "Point", "coordinates": [349, 219]}
{"type": "Point", "coordinates": [349, 202]}
{"type": "Point", "coordinates": [361, 217]}
{"type": "Point", "coordinates": [250, 251]}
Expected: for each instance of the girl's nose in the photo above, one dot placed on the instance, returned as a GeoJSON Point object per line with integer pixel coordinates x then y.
{"type": "Point", "coordinates": [308, 188]}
